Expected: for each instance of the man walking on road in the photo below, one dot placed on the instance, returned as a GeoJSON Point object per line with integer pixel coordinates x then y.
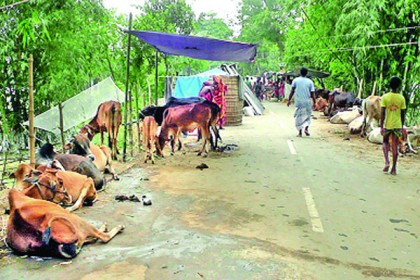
{"type": "Point", "coordinates": [304, 89]}
{"type": "Point", "coordinates": [392, 121]}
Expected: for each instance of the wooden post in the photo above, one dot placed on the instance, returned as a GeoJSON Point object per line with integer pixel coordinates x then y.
{"type": "Point", "coordinates": [137, 117]}
{"type": "Point", "coordinates": [31, 113]}
{"type": "Point", "coordinates": [130, 128]}
{"type": "Point", "coordinates": [127, 92]}
{"type": "Point", "coordinates": [60, 110]}
{"type": "Point", "coordinates": [156, 77]}
{"type": "Point", "coordinates": [381, 76]}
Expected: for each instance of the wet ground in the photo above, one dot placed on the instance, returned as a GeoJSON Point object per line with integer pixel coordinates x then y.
{"type": "Point", "coordinates": [277, 207]}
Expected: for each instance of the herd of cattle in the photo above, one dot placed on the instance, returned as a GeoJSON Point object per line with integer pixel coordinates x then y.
{"type": "Point", "coordinates": [39, 225]}
{"type": "Point", "coordinates": [361, 115]}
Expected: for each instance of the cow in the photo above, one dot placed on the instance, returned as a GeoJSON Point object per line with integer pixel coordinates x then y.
{"type": "Point", "coordinates": [55, 185]}
{"type": "Point", "coordinates": [71, 162]}
{"type": "Point", "coordinates": [355, 126]}
{"type": "Point", "coordinates": [42, 228]}
{"type": "Point", "coordinates": [81, 145]}
{"type": "Point", "coordinates": [339, 99]}
{"type": "Point", "coordinates": [150, 139]}
{"type": "Point", "coordinates": [321, 104]}
{"type": "Point", "coordinates": [158, 111]}
{"type": "Point", "coordinates": [322, 92]}
{"type": "Point", "coordinates": [186, 117]}
{"type": "Point", "coordinates": [22, 172]}
{"type": "Point", "coordinates": [108, 118]}
{"type": "Point", "coordinates": [371, 107]}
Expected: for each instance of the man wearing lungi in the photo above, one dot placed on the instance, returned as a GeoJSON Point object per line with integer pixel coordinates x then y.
{"type": "Point", "coordinates": [303, 89]}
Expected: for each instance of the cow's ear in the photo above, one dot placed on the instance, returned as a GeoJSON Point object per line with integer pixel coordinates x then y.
{"type": "Point", "coordinates": [12, 175]}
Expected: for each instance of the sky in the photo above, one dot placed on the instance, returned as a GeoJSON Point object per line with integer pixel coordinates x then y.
{"type": "Point", "coordinates": [223, 8]}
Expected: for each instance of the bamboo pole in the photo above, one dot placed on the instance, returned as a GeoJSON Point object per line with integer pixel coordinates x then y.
{"type": "Point", "coordinates": [31, 112]}
{"type": "Point", "coordinates": [156, 77]}
{"type": "Point", "coordinates": [137, 117]}
{"type": "Point", "coordinates": [381, 76]}
{"type": "Point", "coordinates": [130, 128]}
{"type": "Point", "coordinates": [60, 110]}
{"type": "Point", "coordinates": [127, 92]}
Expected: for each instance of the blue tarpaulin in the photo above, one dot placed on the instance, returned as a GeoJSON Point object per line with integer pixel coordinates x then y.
{"type": "Point", "coordinates": [190, 86]}
{"type": "Point", "coordinates": [198, 47]}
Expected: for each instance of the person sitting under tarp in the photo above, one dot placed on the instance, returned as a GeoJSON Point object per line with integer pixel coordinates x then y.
{"type": "Point", "coordinates": [215, 91]}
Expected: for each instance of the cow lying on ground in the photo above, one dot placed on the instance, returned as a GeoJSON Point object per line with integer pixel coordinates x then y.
{"type": "Point", "coordinates": [150, 138]}
{"type": "Point", "coordinates": [108, 119]}
{"type": "Point", "coordinates": [39, 227]}
{"type": "Point", "coordinates": [345, 117]}
{"type": "Point", "coordinates": [371, 112]}
{"type": "Point", "coordinates": [58, 186]}
{"type": "Point", "coordinates": [70, 162]}
{"type": "Point", "coordinates": [186, 118]}
{"type": "Point", "coordinates": [322, 92]}
{"type": "Point", "coordinates": [321, 104]}
{"type": "Point", "coordinates": [339, 99]}
{"type": "Point", "coordinates": [158, 111]}
{"type": "Point", "coordinates": [81, 145]}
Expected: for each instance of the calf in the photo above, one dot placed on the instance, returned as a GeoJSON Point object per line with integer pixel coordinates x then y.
{"type": "Point", "coordinates": [39, 227]}
{"type": "Point", "coordinates": [150, 138]}
{"type": "Point", "coordinates": [81, 145]}
{"type": "Point", "coordinates": [186, 117]}
{"type": "Point", "coordinates": [108, 118]}
{"type": "Point", "coordinates": [371, 107]}
{"type": "Point", "coordinates": [70, 162]}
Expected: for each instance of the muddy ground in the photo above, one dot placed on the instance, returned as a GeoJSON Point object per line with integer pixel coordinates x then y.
{"type": "Point", "coordinates": [244, 217]}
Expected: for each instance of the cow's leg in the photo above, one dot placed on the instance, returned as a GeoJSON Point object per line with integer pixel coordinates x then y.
{"type": "Point", "coordinates": [104, 237]}
{"type": "Point", "coordinates": [206, 138]}
{"type": "Point", "coordinates": [152, 148]}
{"type": "Point", "coordinates": [81, 199]}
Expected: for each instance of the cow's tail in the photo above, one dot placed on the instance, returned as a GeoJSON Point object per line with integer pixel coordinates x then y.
{"type": "Point", "coordinates": [111, 133]}
{"type": "Point", "coordinates": [46, 235]}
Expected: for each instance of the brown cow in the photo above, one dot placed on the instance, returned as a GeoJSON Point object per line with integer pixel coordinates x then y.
{"type": "Point", "coordinates": [371, 111]}
{"type": "Point", "coordinates": [71, 162]}
{"type": "Point", "coordinates": [187, 118]}
{"type": "Point", "coordinates": [81, 145]}
{"type": "Point", "coordinates": [321, 104]}
{"type": "Point", "coordinates": [57, 186]}
{"type": "Point", "coordinates": [149, 129]}
{"type": "Point", "coordinates": [108, 119]}
{"type": "Point", "coordinates": [39, 227]}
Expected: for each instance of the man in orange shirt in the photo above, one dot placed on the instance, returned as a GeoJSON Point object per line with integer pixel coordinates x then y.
{"type": "Point", "coordinates": [392, 121]}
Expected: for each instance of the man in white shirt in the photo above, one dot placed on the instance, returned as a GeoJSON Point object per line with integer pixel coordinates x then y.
{"type": "Point", "coordinates": [303, 89]}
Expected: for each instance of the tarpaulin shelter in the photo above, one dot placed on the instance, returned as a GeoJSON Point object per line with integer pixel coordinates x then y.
{"type": "Point", "coordinates": [190, 46]}
{"type": "Point", "coordinates": [198, 47]}
{"type": "Point", "coordinates": [79, 108]}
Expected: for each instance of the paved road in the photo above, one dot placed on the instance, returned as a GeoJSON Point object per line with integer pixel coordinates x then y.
{"type": "Point", "coordinates": [279, 207]}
